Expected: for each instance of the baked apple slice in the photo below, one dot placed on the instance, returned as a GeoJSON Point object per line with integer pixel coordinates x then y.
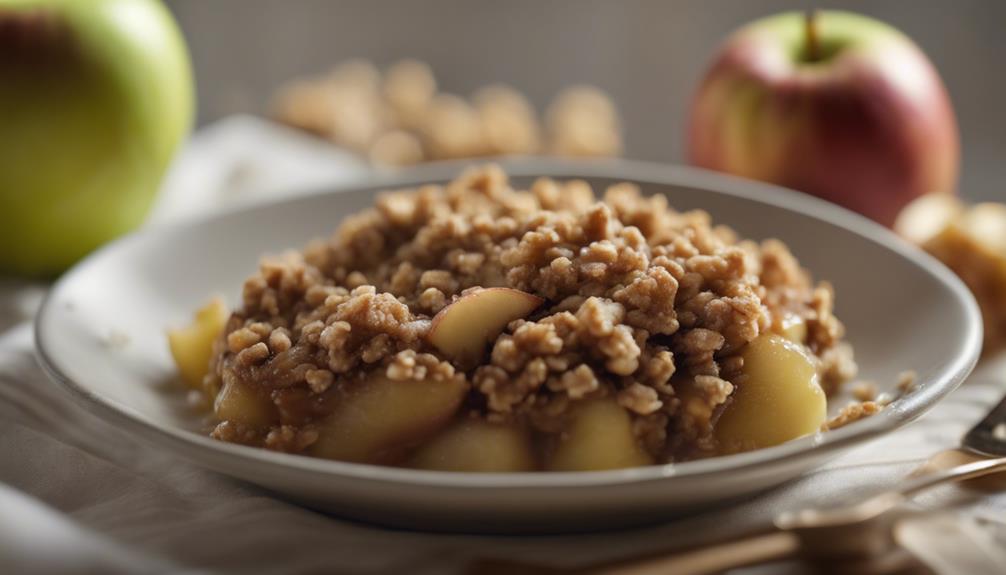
{"type": "Point", "coordinates": [377, 419]}
{"type": "Point", "coordinates": [598, 436]}
{"type": "Point", "coordinates": [243, 404]}
{"type": "Point", "coordinates": [777, 400]}
{"type": "Point", "coordinates": [464, 328]}
{"type": "Point", "coordinates": [192, 345]}
{"type": "Point", "coordinates": [475, 445]}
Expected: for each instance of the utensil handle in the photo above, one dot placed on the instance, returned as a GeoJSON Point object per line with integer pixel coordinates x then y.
{"type": "Point", "coordinates": [956, 473]}
{"type": "Point", "coordinates": [783, 544]}
{"type": "Point", "coordinates": [873, 507]}
{"type": "Point", "coordinates": [709, 559]}
{"type": "Point", "coordinates": [945, 460]}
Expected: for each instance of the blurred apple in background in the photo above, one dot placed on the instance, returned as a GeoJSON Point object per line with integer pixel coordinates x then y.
{"type": "Point", "coordinates": [95, 96]}
{"type": "Point", "coordinates": [833, 104]}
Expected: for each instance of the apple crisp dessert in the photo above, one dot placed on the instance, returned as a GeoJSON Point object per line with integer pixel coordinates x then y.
{"type": "Point", "coordinates": [477, 327]}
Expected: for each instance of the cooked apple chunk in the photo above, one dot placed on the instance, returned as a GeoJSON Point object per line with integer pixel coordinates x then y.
{"type": "Point", "coordinates": [378, 418]}
{"type": "Point", "coordinates": [599, 436]}
{"type": "Point", "coordinates": [792, 327]}
{"type": "Point", "coordinates": [240, 403]}
{"type": "Point", "coordinates": [192, 345]}
{"type": "Point", "coordinates": [777, 399]}
{"type": "Point", "coordinates": [475, 445]}
{"type": "Point", "coordinates": [463, 329]}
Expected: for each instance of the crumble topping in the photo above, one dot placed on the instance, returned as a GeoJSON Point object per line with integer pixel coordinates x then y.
{"type": "Point", "coordinates": [644, 304]}
{"type": "Point", "coordinates": [853, 412]}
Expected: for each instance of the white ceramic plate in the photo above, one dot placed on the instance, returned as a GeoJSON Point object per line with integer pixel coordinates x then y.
{"type": "Point", "coordinates": [101, 335]}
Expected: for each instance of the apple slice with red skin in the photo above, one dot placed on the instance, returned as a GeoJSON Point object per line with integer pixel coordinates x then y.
{"type": "Point", "coordinates": [463, 329]}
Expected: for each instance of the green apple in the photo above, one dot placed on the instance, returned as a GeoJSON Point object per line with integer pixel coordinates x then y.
{"type": "Point", "coordinates": [96, 96]}
{"type": "Point", "coordinates": [834, 104]}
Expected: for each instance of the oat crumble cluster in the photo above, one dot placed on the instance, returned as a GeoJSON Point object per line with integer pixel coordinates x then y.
{"type": "Point", "coordinates": [642, 304]}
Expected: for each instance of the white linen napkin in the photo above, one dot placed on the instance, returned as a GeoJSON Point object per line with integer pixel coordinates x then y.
{"type": "Point", "coordinates": [79, 496]}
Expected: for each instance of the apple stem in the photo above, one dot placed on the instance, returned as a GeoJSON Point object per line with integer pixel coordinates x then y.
{"type": "Point", "coordinates": [810, 30]}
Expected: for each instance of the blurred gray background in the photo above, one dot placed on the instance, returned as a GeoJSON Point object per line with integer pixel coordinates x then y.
{"type": "Point", "coordinates": [648, 54]}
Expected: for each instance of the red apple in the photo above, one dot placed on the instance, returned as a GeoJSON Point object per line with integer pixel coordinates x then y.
{"type": "Point", "coordinates": [833, 104]}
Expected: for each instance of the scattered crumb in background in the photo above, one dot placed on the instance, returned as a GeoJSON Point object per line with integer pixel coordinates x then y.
{"type": "Point", "coordinates": [583, 121]}
{"type": "Point", "coordinates": [116, 339]}
{"type": "Point", "coordinates": [999, 432]}
{"type": "Point", "coordinates": [852, 412]}
{"type": "Point", "coordinates": [886, 398]}
{"type": "Point", "coordinates": [399, 118]}
{"type": "Point", "coordinates": [197, 399]}
{"type": "Point", "coordinates": [906, 382]}
{"type": "Point", "coordinates": [864, 390]}
{"type": "Point", "coordinates": [868, 401]}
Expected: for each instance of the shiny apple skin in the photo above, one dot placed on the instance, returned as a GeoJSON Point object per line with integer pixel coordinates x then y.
{"type": "Point", "coordinates": [870, 127]}
{"type": "Point", "coordinates": [95, 98]}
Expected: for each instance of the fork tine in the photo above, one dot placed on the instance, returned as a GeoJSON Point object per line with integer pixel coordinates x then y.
{"type": "Point", "coordinates": [988, 436]}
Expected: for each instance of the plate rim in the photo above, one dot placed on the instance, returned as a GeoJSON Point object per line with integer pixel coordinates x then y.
{"type": "Point", "coordinates": [900, 413]}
